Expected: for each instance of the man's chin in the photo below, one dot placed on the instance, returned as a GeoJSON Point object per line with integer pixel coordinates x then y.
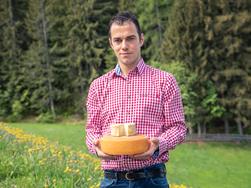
{"type": "Point", "coordinates": [127, 61]}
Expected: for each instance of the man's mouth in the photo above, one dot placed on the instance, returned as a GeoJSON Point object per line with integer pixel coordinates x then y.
{"type": "Point", "coordinates": [124, 54]}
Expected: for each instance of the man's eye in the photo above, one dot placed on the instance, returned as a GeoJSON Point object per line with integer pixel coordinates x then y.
{"type": "Point", "coordinates": [117, 40]}
{"type": "Point", "coordinates": [130, 38]}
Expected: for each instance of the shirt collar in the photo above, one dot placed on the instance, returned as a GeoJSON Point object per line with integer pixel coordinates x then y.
{"type": "Point", "coordinates": [139, 68]}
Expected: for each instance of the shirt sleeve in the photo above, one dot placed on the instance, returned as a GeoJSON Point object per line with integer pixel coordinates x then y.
{"type": "Point", "coordinates": [175, 128]}
{"type": "Point", "coordinates": [93, 129]}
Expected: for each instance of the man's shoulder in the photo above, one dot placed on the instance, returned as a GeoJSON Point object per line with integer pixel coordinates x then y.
{"type": "Point", "coordinates": [161, 75]}
{"type": "Point", "coordinates": [102, 79]}
{"type": "Point", "coordinates": [165, 80]}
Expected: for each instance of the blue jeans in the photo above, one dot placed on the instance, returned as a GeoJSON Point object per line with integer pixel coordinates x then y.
{"type": "Point", "coordinates": [156, 182]}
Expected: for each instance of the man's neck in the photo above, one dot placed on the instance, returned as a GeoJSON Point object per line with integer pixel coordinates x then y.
{"type": "Point", "coordinates": [125, 69]}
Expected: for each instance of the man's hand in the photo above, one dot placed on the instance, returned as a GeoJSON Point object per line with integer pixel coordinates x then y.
{"type": "Point", "coordinates": [154, 144]}
{"type": "Point", "coordinates": [100, 153]}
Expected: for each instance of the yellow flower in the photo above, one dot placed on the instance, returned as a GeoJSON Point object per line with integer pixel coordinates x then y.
{"type": "Point", "coordinates": [67, 170]}
{"type": "Point", "coordinates": [77, 171]}
{"type": "Point", "coordinates": [177, 186]}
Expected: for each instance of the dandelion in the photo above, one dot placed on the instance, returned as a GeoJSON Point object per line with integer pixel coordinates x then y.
{"type": "Point", "coordinates": [77, 171]}
{"type": "Point", "coordinates": [67, 170]}
{"type": "Point", "coordinates": [41, 162]}
{"type": "Point", "coordinates": [177, 186]}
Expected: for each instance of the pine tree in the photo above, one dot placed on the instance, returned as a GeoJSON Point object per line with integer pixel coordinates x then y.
{"type": "Point", "coordinates": [152, 16]}
{"type": "Point", "coordinates": [232, 36]}
{"type": "Point", "coordinates": [102, 13]}
{"type": "Point", "coordinates": [38, 59]}
{"type": "Point", "coordinates": [212, 37]}
{"type": "Point", "coordinates": [12, 43]}
{"type": "Point", "coordinates": [85, 52]}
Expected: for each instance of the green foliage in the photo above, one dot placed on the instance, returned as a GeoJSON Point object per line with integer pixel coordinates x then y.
{"type": "Point", "coordinates": [213, 39]}
{"type": "Point", "coordinates": [52, 50]}
{"type": "Point", "coordinates": [46, 118]}
{"type": "Point", "coordinates": [152, 16]}
{"type": "Point", "coordinates": [211, 102]}
{"type": "Point", "coordinates": [17, 111]}
{"type": "Point", "coordinates": [12, 44]}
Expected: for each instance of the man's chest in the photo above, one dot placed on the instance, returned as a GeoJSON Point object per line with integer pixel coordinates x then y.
{"type": "Point", "coordinates": [131, 100]}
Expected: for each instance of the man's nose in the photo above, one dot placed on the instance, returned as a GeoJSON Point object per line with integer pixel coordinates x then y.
{"type": "Point", "coordinates": [124, 44]}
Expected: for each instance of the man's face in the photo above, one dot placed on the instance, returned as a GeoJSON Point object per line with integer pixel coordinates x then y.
{"type": "Point", "coordinates": [126, 43]}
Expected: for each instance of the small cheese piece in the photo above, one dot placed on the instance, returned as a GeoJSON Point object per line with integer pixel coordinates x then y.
{"type": "Point", "coordinates": [130, 129]}
{"type": "Point", "coordinates": [124, 145]}
{"type": "Point", "coordinates": [117, 130]}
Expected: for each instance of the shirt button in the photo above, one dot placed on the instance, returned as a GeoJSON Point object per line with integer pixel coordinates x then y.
{"type": "Point", "coordinates": [129, 96]}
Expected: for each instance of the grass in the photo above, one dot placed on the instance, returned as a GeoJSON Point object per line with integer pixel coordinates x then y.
{"type": "Point", "coordinates": [28, 161]}
{"type": "Point", "coordinates": [66, 134]}
{"type": "Point", "coordinates": [211, 165]}
{"type": "Point", "coordinates": [199, 165]}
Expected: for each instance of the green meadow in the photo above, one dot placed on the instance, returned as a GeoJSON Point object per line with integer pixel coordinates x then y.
{"type": "Point", "coordinates": [197, 165]}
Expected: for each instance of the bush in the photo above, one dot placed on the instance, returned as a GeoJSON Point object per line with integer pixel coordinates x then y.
{"type": "Point", "coordinates": [46, 118]}
{"type": "Point", "coordinates": [17, 111]}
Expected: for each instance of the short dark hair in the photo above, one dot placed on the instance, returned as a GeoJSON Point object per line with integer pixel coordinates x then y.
{"type": "Point", "coordinates": [122, 17]}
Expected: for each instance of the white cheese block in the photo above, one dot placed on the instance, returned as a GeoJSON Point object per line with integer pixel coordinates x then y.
{"type": "Point", "coordinates": [126, 129]}
{"type": "Point", "coordinates": [130, 129]}
{"type": "Point", "coordinates": [117, 130]}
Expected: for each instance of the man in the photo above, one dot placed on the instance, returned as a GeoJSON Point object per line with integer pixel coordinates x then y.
{"type": "Point", "coordinates": [134, 92]}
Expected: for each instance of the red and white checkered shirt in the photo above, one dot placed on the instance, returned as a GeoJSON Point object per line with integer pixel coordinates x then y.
{"type": "Point", "coordinates": [148, 97]}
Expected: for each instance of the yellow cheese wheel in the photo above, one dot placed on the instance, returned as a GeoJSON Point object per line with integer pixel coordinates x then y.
{"type": "Point", "coordinates": [124, 145]}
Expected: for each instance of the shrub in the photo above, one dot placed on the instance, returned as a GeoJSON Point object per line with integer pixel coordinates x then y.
{"type": "Point", "coordinates": [46, 118]}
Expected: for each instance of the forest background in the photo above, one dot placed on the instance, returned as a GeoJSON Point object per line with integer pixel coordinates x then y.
{"type": "Point", "coordinates": [51, 50]}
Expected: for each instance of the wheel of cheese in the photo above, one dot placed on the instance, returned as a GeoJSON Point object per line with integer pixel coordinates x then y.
{"type": "Point", "coordinates": [124, 145]}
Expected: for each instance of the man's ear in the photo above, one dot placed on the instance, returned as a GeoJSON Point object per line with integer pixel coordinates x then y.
{"type": "Point", "coordinates": [141, 39]}
{"type": "Point", "coordinates": [110, 42]}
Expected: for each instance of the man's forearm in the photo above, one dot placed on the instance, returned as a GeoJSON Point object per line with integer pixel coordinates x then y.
{"type": "Point", "coordinates": [173, 136]}
{"type": "Point", "coordinates": [91, 138]}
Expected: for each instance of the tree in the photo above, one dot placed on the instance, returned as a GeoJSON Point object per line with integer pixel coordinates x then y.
{"type": "Point", "coordinates": [102, 13]}
{"type": "Point", "coordinates": [38, 61]}
{"type": "Point", "coordinates": [213, 38]}
{"type": "Point", "coordinates": [152, 16]}
{"type": "Point", "coordinates": [85, 50]}
{"type": "Point", "coordinates": [232, 36]}
{"type": "Point", "coordinates": [12, 43]}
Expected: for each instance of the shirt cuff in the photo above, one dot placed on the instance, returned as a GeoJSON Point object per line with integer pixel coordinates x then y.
{"type": "Point", "coordinates": [162, 146]}
{"type": "Point", "coordinates": [92, 149]}
{"type": "Point", "coordinates": [156, 154]}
